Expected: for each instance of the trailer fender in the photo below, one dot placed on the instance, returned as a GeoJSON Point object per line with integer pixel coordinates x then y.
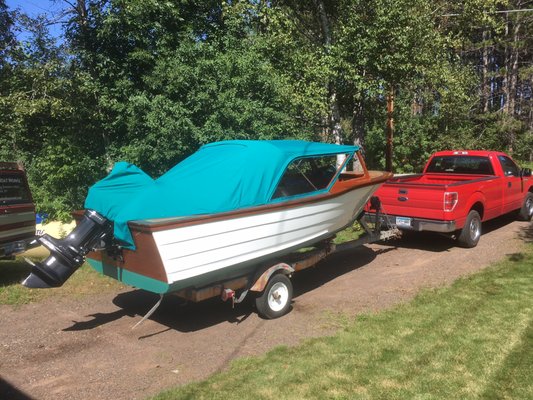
{"type": "Point", "coordinates": [262, 281]}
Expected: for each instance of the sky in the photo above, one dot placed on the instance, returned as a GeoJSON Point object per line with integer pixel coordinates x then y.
{"type": "Point", "coordinates": [35, 7]}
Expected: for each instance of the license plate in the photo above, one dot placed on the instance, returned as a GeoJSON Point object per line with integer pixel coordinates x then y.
{"type": "Point", "coordinates": [403, 221]}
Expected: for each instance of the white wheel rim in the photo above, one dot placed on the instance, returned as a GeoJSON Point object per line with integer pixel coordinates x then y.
{"type": "Point", "coordinates": [529, 206]}
{"type": "Point", "coordinates": [278, 296]}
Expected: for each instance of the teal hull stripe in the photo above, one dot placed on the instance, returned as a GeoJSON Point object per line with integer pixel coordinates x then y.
{"type": "Point", "coordinates": [130, 278]}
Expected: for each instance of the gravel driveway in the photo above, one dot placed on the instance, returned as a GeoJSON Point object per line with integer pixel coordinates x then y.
{"type": "Point", "coordinates": [85, 348]}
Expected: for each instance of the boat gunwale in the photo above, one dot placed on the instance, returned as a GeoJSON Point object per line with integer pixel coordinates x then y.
{"type": "Point", "coordinates": [176, 222]}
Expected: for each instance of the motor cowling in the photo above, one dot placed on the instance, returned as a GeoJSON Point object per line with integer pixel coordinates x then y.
{"type": "Point", "coordinates": [66, 255]}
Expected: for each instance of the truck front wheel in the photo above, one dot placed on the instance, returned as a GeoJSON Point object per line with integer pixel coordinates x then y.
{"type": "Point", "coordinates": [526, 212]}
{"type": "Point", "coordinates": [471, 232]}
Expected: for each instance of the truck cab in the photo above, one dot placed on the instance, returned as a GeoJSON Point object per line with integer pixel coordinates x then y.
{"type": "Point", "coordinates": [17, 211]}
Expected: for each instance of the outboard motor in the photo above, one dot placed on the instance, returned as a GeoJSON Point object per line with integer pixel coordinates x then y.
{"type": "Point", "coordinates": [66, 255]}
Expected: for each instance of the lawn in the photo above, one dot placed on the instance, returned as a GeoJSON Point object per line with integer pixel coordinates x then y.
{"type": "Point", "coordinates": [473, 340]}
{"type": "Point", "coordinates": [84, 281]}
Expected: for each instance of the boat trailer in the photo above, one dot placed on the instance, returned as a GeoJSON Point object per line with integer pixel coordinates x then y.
{"type": "Point", "coordinates": [271, 280]}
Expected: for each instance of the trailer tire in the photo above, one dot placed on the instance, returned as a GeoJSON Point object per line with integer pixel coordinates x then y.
{"type": "Point", "coordinates": [471, 232]}
{"type": "Point", "coordinates": [526, 212]}
{"type": "Point", "coordinates": [275, 300]}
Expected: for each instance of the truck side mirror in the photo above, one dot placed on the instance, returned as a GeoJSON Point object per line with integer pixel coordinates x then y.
{"type": "Point", "coordinates": [525, 172]}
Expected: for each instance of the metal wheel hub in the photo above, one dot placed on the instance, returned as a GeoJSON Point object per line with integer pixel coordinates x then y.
{"type": "Point", "coordinates": [475, 229]}
{"type": "Point", "coordinates": [529, 206]}
{"type": "Point", "coordinates": [278, 296]}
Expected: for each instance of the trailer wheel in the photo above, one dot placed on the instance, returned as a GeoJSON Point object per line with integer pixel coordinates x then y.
{"type": "Point", "coordinates": [275, 300]}
{"type": "Point", "coordinates": [471, 232]}
{"type": "Point", "coordinates": [526, 212]}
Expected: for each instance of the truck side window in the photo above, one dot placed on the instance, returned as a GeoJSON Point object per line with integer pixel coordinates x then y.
{"type": "Point", "coordinates": [508, 166]}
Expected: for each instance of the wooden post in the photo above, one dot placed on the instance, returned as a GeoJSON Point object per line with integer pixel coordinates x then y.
{"type": "Point", "coordinates": [390, 129]}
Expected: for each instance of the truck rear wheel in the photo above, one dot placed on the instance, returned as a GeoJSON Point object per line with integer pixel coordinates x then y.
{"type": "Point", "coordinates": [526, 212]}
{"type": "Point", "coordinates": [275, 300]}
{"type": "Point", "coordinates": [471, 232]}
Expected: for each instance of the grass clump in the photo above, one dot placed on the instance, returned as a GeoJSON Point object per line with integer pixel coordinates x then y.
{"type": "Point", "coordinates": [352, 232]}
{"type": "Point", "coordinates": [472, 340]}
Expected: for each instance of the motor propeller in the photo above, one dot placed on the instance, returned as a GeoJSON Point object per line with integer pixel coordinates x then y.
{"type": "Point", "coordinates": [66, 255]}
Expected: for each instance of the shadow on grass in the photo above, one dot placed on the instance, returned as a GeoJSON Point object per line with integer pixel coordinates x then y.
{"type": "Point", "coordinates": [507, 381]}
{"type": "Point", "coordinates": [13, 271]}
{"type": "Point", "coordinates": [526, 233]}
{"type": "Point", "coordinates": [178, 314]}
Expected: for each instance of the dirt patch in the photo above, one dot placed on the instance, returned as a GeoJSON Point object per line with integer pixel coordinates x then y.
{"type": "Point", "coordinates": [85, 349]}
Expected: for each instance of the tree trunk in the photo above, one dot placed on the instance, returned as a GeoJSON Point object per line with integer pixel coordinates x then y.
{"type": "Point", "coordinates": [506, 65]}
{"type": "Point", "coordinates": [513, 68]}
{"type": "Point", "coordinates": [485, 83]}
{"type": "Point", "coordinates": [390, 129]}
{"type": "Point", "coordinates": [335, 117]}
{"type": "Point", "coordinates": [358, 123]}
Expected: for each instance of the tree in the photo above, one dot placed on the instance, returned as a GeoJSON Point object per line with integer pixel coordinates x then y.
{"type": "Point", "coordinates": [171, 77]}
{"type": "Point", "coordinates": [41, 121]}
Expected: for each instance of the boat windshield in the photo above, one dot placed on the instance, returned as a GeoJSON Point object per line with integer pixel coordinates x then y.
{"type": "Point", "coordinates": [307, 175]}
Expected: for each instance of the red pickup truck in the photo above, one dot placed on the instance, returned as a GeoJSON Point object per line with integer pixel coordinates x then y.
{"type": "Point", "coordinates": [457, 191]}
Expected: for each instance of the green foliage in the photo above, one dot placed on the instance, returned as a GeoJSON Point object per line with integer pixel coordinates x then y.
{"type": "Point", "coordinates": [193, 77]}
{"type": "Point", "coordinates": [149, 82]}
{"type": "Point", "coordinates": [6, 34]}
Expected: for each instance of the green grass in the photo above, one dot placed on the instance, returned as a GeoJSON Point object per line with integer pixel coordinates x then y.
{"type": "Point", "coordinates": [472, 340]}
{"type": "Point", "coordinates": [84, 281]}
{"type": "Point", "coordinates": [353, 232]}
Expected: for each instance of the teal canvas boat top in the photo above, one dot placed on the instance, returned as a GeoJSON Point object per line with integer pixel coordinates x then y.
{"type": "Point", "coordinates": [220, 177]}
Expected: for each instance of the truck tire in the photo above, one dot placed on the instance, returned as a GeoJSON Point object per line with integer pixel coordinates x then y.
{"type": "Point", "coordinates": [471, 232]}
{"type": "Point", "coordinates": [275, 300]}
{"type": "Point", "coordinates": [526, 212]}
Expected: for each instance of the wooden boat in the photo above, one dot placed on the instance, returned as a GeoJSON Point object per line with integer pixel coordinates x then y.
{"type": "Point", "coordinates": [292, 194]}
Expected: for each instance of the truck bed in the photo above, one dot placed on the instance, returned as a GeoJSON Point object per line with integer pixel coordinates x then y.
{"type": "Point", "coordinates": [436, 179]}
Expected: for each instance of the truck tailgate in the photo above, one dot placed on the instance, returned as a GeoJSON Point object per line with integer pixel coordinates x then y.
{"type": "Point", "coordinates": [413, 200]}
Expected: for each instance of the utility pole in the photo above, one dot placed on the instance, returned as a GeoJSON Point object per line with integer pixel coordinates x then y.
{"type": "Point", "coordinates": [390, 129]}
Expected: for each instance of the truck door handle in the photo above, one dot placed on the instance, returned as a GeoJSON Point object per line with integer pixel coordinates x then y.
{"type": "Point", "coordinates": [509, 184]}
{"type": "Point", "coordinates": [402, 198]}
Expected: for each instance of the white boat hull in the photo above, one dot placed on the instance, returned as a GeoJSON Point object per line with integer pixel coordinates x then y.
{"type": "Point", "coordinates": [195, 250]}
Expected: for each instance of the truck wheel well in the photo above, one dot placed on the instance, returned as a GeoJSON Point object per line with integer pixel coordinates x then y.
{"type": "Point", "coordinates": [479, 208]}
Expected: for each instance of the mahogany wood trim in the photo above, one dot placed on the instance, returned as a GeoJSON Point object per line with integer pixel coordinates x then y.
{"type": "Point", "coordinates": [145, 260]}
